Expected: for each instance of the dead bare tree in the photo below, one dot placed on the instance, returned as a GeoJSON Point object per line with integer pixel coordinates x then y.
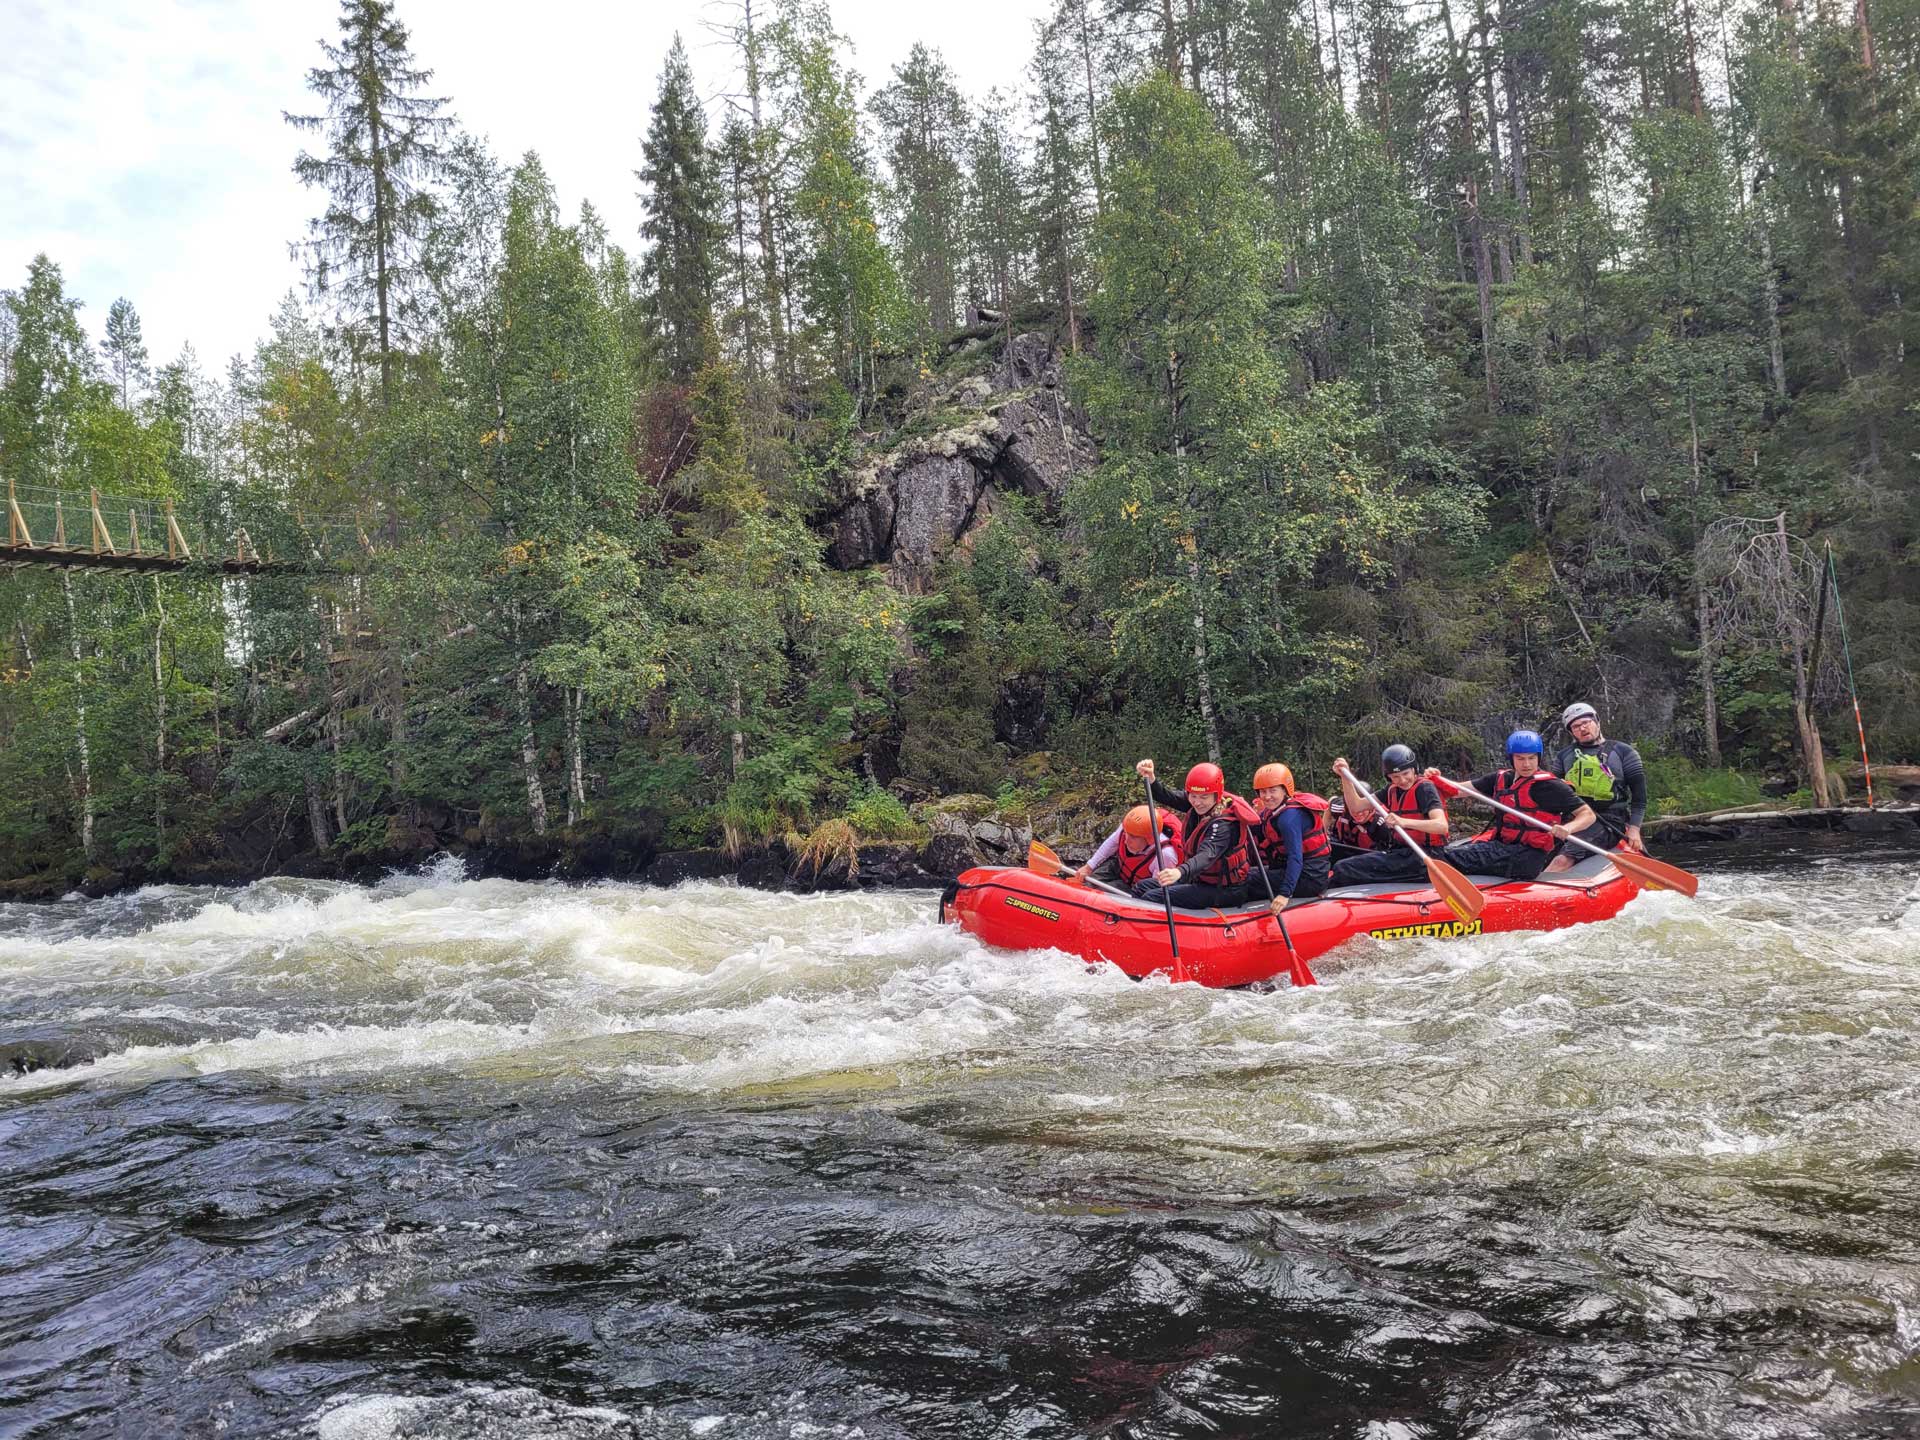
{"type": "Point", "coordinates": [1759, 587]}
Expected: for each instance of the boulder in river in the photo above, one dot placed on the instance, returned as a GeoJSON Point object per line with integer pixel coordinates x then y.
{"type": "Point", "coordinates": [966, 830]}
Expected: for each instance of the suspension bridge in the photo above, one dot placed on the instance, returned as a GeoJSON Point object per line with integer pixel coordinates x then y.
{"type": "Point", "coordinates": [237, 535]}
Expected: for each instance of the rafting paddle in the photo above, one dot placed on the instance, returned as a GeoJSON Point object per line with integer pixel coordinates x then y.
{"type": "Point", "coordinates": [1301, 974]}
{"type": "Point", "coordinates": [1173, 935]}
{"type": "Point", "coordinates": [1043, 861]}
{"type": "Point", "coordinates": [1462, 897]}
{"type": "Point", "coordinates": [1656, 873]}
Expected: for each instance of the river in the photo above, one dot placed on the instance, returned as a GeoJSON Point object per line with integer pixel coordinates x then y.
{"type": "Point", "coordinates": [452, 1158]}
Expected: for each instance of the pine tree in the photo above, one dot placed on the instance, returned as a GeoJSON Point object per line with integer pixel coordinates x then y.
{"type": "Point", "coordinates": [844, 279]}
{"type": "Point", "coordinates": [997, 228]}
{"type": "Point", "coordinates": [126, 352]}
{"type": "Point", "coordinates": [923, 120]}
{"type": "Point", "coordinates": [383, 148]}
{"type": "Point", "coordinates": [682, 202]}
{"type": "Point", "coordinates": [745, 323]}
{"type": "Point", "coordinates": [1058, 214]}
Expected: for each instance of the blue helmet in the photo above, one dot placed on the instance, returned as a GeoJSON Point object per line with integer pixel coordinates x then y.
{"type": "Point", "coordinates": [1525, 742]}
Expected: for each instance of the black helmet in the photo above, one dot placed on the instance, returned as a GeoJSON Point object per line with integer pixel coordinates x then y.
{"type": "Point", "coordinates": [1398, 757]}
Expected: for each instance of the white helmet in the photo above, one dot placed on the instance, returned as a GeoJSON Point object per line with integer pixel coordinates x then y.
{"type": "Point", "coordinates": [1579, 710]}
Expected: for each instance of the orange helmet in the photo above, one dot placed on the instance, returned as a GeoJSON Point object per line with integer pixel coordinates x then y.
{"type": "Point", "coordinates": [1206, 777]}
{"type": "Point", "coordinates": [1270, 775]}
{"type": "Point", "coordinates": [1139, 823]}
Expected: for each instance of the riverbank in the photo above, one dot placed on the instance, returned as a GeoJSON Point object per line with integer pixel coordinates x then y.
{"type": "Point", "coordinates": [941, 839]}
{"type": "Point", "coordinates": [931, 843]}
{"type": "Point", "coordinates": [1756, 822]}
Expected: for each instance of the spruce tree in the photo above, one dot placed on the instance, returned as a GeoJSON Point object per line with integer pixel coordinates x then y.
{"type": "Point", "coordinates": [126, 351]}
{"type": "Point", "coordinates": [682, 200]}
{"type": "Point", "coordinates": [1058, 214]}
{"type": "Point", "coordinates": [383, 139]}
{"type": "Point", "coordinates": [844, 278]}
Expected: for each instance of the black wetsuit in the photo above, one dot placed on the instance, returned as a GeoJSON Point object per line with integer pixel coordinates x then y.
{"type": "Point", "coordinates": [1207, 841]}
{"type": "Point", "coordinates": [1610, 778]}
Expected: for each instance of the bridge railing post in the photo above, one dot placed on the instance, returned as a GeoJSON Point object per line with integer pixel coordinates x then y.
{"type": "Point", "coordinates": [102, 537]}
{"type": "Point", "coordinates": [176, 542]}
{"type": "Point", "coordinates": [18, 535]}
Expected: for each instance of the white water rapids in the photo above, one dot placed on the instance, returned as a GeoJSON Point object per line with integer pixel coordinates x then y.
{"type": "Point", "coordinates": [446, 1154]}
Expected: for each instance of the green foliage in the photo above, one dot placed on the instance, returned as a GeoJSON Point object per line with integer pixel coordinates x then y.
{"type": "Point", "coordinates": [383, 152]}
{"type": "Point", "coordinates": [846, 280]}
{"type": "Point", "coordinates": [879, 815]}
{"type": "Point", "coordinates": [1418, 390]}
{"type": "Point", "coordinates": [1676, 786]}
{"type": "Point", "coordinates": [923, 121]}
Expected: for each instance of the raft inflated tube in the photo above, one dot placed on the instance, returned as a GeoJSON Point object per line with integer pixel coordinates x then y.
{"type": "Point", "coordinates": [1015, 909]}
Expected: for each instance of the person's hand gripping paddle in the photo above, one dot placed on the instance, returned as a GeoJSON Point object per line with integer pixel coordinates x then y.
{"type": "Point", "coordinates": [1657, 874]}
{"type": "Point", "coordinates": [1042, 861]}
{"type": "Point", "coordinates": [1458, 891]}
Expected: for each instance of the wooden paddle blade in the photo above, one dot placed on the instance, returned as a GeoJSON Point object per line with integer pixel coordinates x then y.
{"type": "Point", "coordinates": [1656, 873]}
{"type": "Point", "coordinates": [1043, 861]}
{"type": "Point", "coordinates": [1460, 893]}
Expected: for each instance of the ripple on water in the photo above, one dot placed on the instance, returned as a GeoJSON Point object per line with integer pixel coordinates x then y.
{"type": "Point", "coordinates": [451, 1157]}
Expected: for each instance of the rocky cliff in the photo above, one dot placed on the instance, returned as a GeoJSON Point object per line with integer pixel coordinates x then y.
{"type": "Point", "coordinates": [1006, 429]}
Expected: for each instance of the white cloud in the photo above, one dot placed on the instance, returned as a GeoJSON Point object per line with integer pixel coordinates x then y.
{"type": "Point", "coordinates": [142, 146]}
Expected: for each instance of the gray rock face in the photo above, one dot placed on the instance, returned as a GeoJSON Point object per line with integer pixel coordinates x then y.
{"type": "Point", "coordinates": [863, 532]}
{"type": "Point", "coordinates": [1030, 359]}
{"type": "Point", "coordinates": [959, 840]}
{"type": "Point", "coordinates": [1046, 445]}
{"type": "Point", "coordinates": [936, 497]}
{"type": "Point", "coordinates": [935, 491]}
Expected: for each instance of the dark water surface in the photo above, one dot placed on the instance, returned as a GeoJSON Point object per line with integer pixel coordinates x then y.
{"type": "Point", "coordinates": [456, 1158]}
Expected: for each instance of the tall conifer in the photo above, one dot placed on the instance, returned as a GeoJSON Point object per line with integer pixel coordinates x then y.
{"type": "Point", "coordinates": [924, 120]}
{"type": "Point", "coordinates": [383, 149]}
{"type": "Point", "coordinates": [126, 351]}
{"type": "Point", "coordinates": [682, 200]}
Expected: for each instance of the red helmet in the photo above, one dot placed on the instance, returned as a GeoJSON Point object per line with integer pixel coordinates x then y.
{"type": "Point", "coordinates": [1139, 823]}
{"type": "Point", "coordinates": [1206, 777]}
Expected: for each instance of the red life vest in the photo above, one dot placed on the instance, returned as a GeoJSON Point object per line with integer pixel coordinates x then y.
{"type": "Point", "coordinates": [1510, 789]}
{"type": "Point", "coordinates": [1347, 831]}
{"type": "Point", "coordinates": [1135, 868]}
{"type": "Point", "coordinates": [1316, 842]}
{"type": "Point", "coordinates": [1232, 867]}
{"type": "Point", "coordinates": [1406, 805]}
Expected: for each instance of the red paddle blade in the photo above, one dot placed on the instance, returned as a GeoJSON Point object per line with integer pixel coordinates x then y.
{"type": "Point", "coordinates": [1459, 892]}
{"type": "Point", "coordinates": [1656, 873]}
{"type": "Point", "coordinates": [1301, 974]}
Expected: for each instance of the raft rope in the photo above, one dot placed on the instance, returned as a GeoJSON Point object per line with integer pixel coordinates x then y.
{"type": "Point", "coordinates": [1846, 649]}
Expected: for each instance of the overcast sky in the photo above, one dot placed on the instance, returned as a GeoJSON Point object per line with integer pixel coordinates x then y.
{"type": "Point", "coordinates": [142, 146]}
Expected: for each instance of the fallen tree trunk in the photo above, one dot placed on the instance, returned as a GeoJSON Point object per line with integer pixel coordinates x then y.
{"type": "Point", "coordinates": [294, 723]}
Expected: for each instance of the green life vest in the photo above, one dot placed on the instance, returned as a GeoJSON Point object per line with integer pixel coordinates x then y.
{"type": "Point", "coordinates": [1589, 777]}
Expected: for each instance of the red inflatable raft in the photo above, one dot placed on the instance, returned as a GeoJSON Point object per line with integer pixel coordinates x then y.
{"type": "Point", "coordinates": [1019, 910]}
